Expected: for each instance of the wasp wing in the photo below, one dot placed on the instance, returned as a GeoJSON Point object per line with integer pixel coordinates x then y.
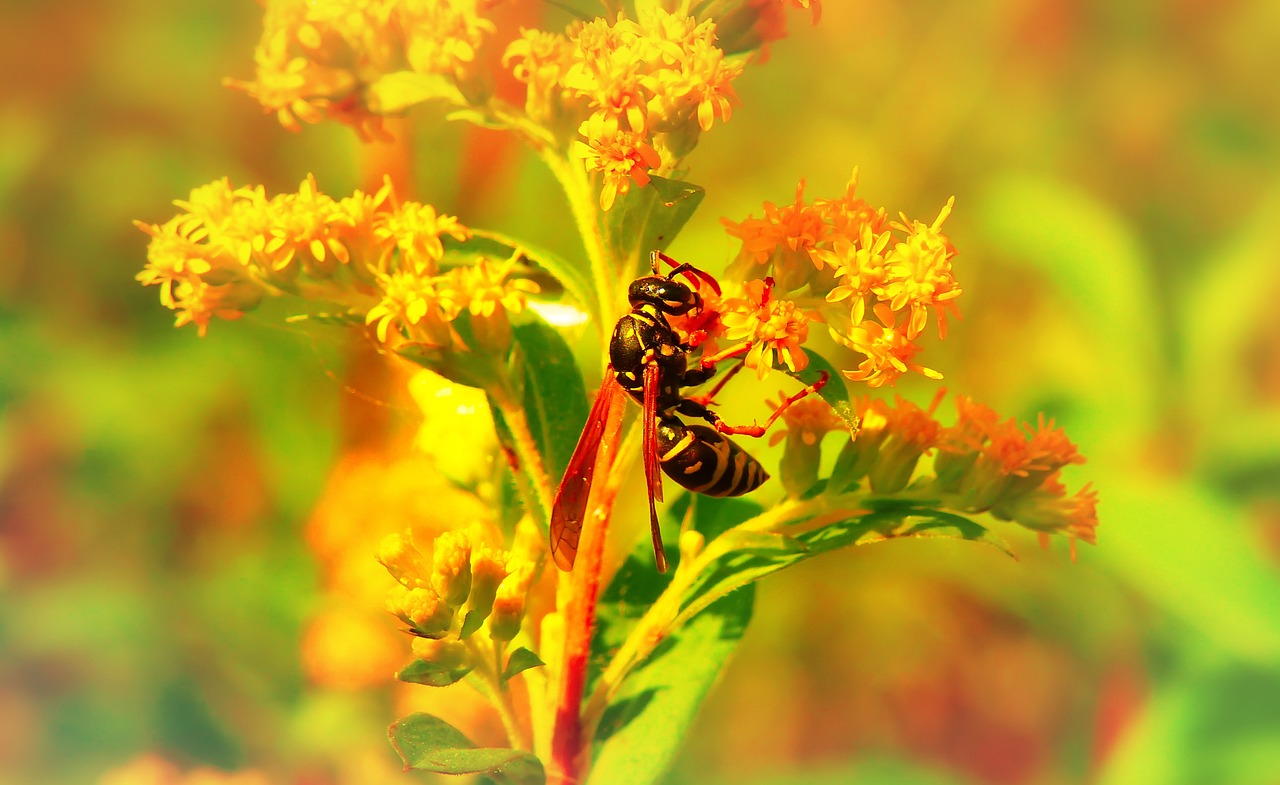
{"type": "Point", "coordinates": [570, 503]}
{"type": "Point", "coordinates": [653, 478]}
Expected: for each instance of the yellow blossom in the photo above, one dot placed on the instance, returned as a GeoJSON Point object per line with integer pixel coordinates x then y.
{"type": "Point", "coordinates": [775, 328]}
{"type": "Point", "coordinates": [621, 157]}
{"type": "Point", "coordinates": [416, 230]}
{"type": "Point", "coordinates": [888, 354]}
{"type": "Point", "coordinates": [420, 304]}
{"type": "Point", "coordinates": [442, 36]}
{"type": "Point", "coordinates": [918, 274]}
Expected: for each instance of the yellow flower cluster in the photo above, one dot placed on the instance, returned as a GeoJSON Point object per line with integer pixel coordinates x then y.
{"type": "Point", "coordinates": [459, 587]}
{"type": "Point", "coordinates": [369, 254]}
{"type": "Point", "coordinates": [982, 464]}
{"type": "Point", "coordinates": [316, 58]}
{"type": "Point", "coordinates": [852, 263]}
{"type": "Point", "coordinates": [633, 95]}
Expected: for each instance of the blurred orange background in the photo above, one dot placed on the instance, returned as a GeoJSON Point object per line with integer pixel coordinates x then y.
{"type": "Point", "coordinates": [185, 539]}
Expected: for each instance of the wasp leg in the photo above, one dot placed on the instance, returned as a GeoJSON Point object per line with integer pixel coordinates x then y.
{"type": "Point", "coordinates": [737, 350]}
{"type": "Point", "coordinates": [708, 398]}
{"type": "Point", "coordinates": [755, 429]}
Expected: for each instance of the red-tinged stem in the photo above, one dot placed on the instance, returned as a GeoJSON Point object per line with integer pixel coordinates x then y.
{"type": "Point", "coordinates": [567, 742]}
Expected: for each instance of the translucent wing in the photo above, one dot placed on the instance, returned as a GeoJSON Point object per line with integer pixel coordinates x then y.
{"type": "Point", "coordinates": [570, 503]}
{"type": "Point", "coordinates": [653, 478]}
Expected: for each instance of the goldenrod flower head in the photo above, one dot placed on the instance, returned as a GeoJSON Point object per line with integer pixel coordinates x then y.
{"type": "Point", "coordinates": [638, 92]}
{"type": "Point", "coordinates": [847, 254]}
{"type": "Point", "coordinates": [621, 158]}
{"type": "Point", "coordinates": [420, 305]}
{"type": "Point", "coordinates": [451, 573]}
{"type": "Point", "coordinates": [918, 273]}
{"type": "Point", "coordinates": [888, 354]}
{"type": "Point", "coordinates": [909, 432]}
{"type": "Point", "coordinates": [539, 60]}
{"type": "Point", "coordinates": [780, 243]}
{"type": "Point", "coordinates": [442, 36]}
{"type": "Point", "coordinates": [426, 613]}
{"type": "Point", "coordinates": [415, 229]}
{"type": "Point", "coordinates": [487, 287]}
{"type": "Point", "coordinates": [316, 58]}
{"type": "Point", "coordinates": [776, 328]}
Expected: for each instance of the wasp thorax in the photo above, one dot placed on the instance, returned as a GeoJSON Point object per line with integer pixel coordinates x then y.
{"type": "Point", "coordinates": [670, 297]}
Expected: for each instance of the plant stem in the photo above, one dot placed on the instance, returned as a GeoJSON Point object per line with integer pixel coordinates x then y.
{"type": "Point", "coordinates": [531, 476]}
{"type": "Point", "coordinates": [583, 583]}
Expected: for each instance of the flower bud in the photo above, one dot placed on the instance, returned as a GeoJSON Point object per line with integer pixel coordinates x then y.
{"type": "Point", "coordinates": [691, 544]}
{"type": "Point", "coordinates": [509, 604]}
{"type": "Point", "coordinates": [451, 576]}
{"type": "Point", "coordinates": [488, 569]}
{"type": "Point", "coordinates": [447, 654]}
{"type": "Point", "coordinates": [422, 609]}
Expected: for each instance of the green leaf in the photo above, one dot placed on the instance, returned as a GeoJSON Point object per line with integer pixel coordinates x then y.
{"type": "Point", "coordinates": [396, 92]}
{"type": "Point", "coordinates": [555, 399]}
{"type": "Point", "coordinates": [648, 219]}
{"type": "Point", "coordinates": [520, 660]}
{"type": "Point", "coordinates": [644, 726]}
{"type": "Point", "coordinates": [495, 245]}
{"type": "Point", "coordinates": [834, 392]}
{"type": "Point", "coordinates": [430, 744]}
{"type": "Point", "coordinates": [744, 557]}
{"type": "Point", "coordinates": [431, 674]}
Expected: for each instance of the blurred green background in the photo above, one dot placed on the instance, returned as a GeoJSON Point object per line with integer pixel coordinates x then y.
{"type": "Point", "coordinates": [1115, 165]}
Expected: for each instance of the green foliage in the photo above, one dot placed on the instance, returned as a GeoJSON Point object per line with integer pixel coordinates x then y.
{"type": "Point", "coordinates": [519, 661]}
{"type": "Point", "coordinates": [648, 219]}
{"type": "Point", "coordinates": [431, 674]}
{"type": "Point", "coordinates": [647, 718]}
{"type": "Point", "coordinates": [430, 744]}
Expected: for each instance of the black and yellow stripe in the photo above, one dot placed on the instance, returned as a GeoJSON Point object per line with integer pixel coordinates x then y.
{"type": "Point", "coordinates": [705, 461]}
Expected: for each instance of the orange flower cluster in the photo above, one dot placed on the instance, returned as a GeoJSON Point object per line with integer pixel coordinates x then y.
{"type": "Point", "coordinates": [369, 254]}
{"type": "Point", "coordinates": [632, 95]}
{"type": "Point", "coordinates": [850, 262]}
{"type": "Point", "coordinates": [317, 58]}
{"type": "Point", "coordinates": [982, 464]}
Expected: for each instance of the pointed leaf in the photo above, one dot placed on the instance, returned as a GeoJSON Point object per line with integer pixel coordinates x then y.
{"type": "Point", "coordinates": [646, 723]}
{"type": "Point", "coordinates": [520, 660]}
{"type": "Point", "coordinates": [648, 219]}
{"type": "Point", "coordinates": [431, 674]}
{"type": "Point", "coordinates": [555, 399]}
{"type": "Point", "coordinates": [431, 744]}
{"type": "Point", "coordinates": [834, 392]}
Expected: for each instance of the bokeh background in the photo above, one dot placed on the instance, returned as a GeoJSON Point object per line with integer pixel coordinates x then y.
{"type": "Point", "coordinates": [187, 524]}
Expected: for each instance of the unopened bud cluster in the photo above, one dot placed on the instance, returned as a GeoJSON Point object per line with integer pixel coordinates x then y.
{"type": "Point", "coordinates": [980, 464]}
{"type": "Point", "coordinates": [460, 590]}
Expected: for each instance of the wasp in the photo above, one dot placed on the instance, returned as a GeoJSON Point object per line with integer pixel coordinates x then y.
{"type": "Point", "coordinates": [650, 363]}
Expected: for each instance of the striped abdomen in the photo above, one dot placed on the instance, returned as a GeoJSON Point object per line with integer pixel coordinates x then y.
{"type": "Point", "coordinates": [705, 461]}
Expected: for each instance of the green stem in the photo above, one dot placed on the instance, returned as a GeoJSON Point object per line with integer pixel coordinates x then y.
{"type": "Point", "coordinates": [490, 683]}
{"type": "Point", "coordinates": [532, 480]}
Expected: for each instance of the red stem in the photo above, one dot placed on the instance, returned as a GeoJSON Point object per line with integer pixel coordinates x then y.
{"type": "Point", "coordinates": [567, 760]}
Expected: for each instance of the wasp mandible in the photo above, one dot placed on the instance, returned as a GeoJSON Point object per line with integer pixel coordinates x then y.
{"type": "Point", "coordinates": [649, 362]}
